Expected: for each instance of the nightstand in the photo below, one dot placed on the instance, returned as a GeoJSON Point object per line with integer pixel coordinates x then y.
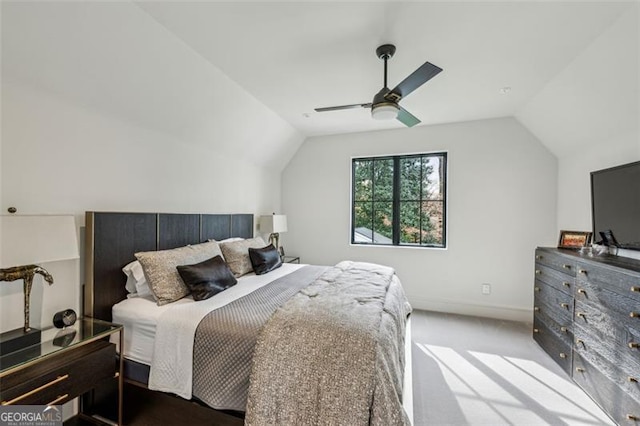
{"type": "Point", "coordinates": [291, 259]}
{"type": "Point", "coordinates": [64, 365]}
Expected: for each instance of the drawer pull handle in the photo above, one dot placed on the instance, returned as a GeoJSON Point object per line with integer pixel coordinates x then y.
{"type": "Point", "coordinates": [535, 308]}
{"type": "Point", "coordinates": [634, 314]}
{"type": "Point", "coordinates": [632, 379]}
{"type": "Point", "coordinates": [579, 342]}
{"type": "Point", "coordinates": [536, 288]}
{"type": "Point", "coordinates": [564, 305]}
{"type": "Point", "coordinates": [535, 330]}
{"type": "Point", "coordinates": [538, 257]}
{"type": "Point", "coordinates": [565, 266]}
{"type": "Point", "coordinates": [563, 355]}
{"type": "Point", "coordinates": [59, 399]}
{"type": "Point", "coordinates": [635, 289]}
{"type": "Point", "coordinates": [36, 390]}
{"type": "Point", "coordinates": [634, 345]}
{"type": "Point", "coordinates": [582, 271]}
{"type": "Point", "coordinates": [538, 271]}
{"type": "Point", "coordinates": [580, 369]}
{"type": "Point", "coordinates": [566, 284]}
{"type": "Point", "coordinates": [563, 329]}
{"type": "Point", "coordinates": [582, 315]}
{"type": "Point", "coordinates": [632, 417]}
{"type": "Point", "coordinates": [582, 291]}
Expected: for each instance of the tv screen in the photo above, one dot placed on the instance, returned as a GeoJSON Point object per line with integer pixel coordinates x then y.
{"type": "Point", "coordinates": [615, 205]}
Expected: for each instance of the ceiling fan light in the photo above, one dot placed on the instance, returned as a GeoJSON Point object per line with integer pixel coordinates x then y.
{"type": "Point", "coordinates": [385, 111]}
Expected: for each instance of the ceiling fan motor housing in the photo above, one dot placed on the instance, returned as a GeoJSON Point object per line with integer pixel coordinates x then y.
{"type": "Point", "coordinates": [380, 98]}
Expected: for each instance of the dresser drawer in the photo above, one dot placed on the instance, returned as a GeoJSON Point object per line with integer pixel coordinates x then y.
{"type": "Point", "coordinates": [555, 303]}
{"type": "Point", "coordinates": [617, 401]}
{"type": "Point", "coordinates": [62, 377]}
{"type": "Point", "coordinates": [625, 309]}
{"type": "Point", "coordinates": [555, 279]}
{"type": "Point", "coordinates": [556, 261]}
{"type": "Point", "coordinates": [609, 343]}
{"type": "Point", "coordinates": [625, 284]}
{"type": "Point", "coordinates": [564, 332]}
{"type": "Point", "coordinates": [552, 344]}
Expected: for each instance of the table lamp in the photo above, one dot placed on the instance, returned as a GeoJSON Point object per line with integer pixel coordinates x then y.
{"type": "Point", "coordinates": [27, 240]}
{"type": "Point", "coordinates": [273, 224]}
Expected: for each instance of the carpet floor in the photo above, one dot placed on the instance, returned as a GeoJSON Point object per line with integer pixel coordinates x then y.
{"type": "Point", "coordinates": [480, 371]}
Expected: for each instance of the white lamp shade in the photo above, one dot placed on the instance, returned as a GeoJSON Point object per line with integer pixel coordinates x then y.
{"type": "Point", "coordinates": [30, 239]}
{"type": "Point", "coordinates": [385, 111]}
{"type": "Point", "coordinates": [273, 224]}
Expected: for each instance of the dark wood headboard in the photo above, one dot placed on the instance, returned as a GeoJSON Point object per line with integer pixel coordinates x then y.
{"type": "Point", "coordinates": [113, 238]}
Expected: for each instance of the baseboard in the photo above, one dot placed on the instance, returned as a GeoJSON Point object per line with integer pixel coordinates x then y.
{"type": "Point", "coordinates": [510, 313]}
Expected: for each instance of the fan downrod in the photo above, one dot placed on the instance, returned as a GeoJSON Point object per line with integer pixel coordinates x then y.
{"type": "Point", "coordinates": [385, 51]}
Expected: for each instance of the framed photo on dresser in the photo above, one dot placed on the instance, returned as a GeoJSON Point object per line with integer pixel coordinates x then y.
{"type": "Point", "coordinates": [574, 240]}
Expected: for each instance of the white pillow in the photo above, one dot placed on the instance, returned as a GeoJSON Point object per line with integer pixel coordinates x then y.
{"type": "Point", "coordinates": [136, 282]}
{"type": "Point", "coordinates": [227, 240]}
{"type": "Point", "coordinates": [236, 254]}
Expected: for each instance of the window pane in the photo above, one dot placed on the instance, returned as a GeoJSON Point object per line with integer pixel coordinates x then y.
{"type": "Point", "coordinates": [432, 178]}
{"type": "Point", "coordinates": [382, 223]}
{"type": "Point", "coordinates": [362, 227]}
{"type": "Point", "coordinates": [383, 179]}
{"type": "Point", "coordinates": [363, 180]}
{"type": "Point", "coordinates": [433, 223]}
{"type": "Point", "coordinates": [410, 222]}
{"type": "Point", "coordinates": [410, 171]}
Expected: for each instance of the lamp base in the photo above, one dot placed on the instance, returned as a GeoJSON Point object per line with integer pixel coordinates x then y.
{"type": "Point", "coordinates": [15, 340]}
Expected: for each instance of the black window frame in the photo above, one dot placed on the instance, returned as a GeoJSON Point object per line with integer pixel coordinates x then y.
{"type": "Point", "coordinates": [397, 199]}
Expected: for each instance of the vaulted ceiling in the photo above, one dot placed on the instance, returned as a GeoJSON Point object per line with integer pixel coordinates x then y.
{"type": "Point", "coordinates": [230, 72]}
{"type": "Point", "coordinates": [296, 56]}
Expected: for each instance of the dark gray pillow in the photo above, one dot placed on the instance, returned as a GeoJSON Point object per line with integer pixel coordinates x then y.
{"type": "Point", "coordinates": [208, 278]}
{"type": "Point", "coordinates": [264, 259]}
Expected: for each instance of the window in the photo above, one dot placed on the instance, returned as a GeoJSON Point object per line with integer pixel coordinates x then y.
{"type": "Point", "coordinates": [399, 200]}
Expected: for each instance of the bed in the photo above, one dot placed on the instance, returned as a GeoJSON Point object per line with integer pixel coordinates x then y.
{"type": "Point", "coordinates": [283, 353]}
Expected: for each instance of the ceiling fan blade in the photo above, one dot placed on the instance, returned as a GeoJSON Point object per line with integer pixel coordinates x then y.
{"type": "Point", "coordinates": [406, 118]}
{"type": "Point", "coordinates": [336, 108]}
{"type": "Point", "coordinates": [420, 76]}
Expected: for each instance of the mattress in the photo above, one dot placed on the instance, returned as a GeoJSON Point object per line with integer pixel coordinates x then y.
{"type": "Point", "coordinates": [140, 315]}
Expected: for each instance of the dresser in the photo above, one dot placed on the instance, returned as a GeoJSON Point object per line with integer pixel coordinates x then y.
{"type": "Point", "coordinates": [64, 365]}
{"type": "Point", "coordinates": [587, 318]}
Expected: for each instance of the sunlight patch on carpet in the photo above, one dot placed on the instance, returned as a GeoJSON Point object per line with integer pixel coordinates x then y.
{"type": "Point", "coordinates": [494, 389]}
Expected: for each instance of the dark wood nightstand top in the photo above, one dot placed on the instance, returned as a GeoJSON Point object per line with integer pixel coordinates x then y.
{"type": "Point", "coordinates": [56, 340]}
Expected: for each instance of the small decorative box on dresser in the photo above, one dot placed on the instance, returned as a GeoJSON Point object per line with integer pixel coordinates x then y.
{"type": "Point", "coordinates": [587, 318]}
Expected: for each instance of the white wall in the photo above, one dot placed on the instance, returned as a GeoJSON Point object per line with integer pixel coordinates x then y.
{"type": "Point", "coordinates": [104, 109]}
{"type": "Point", "coordinates": [619, 94]}
{"type": "Point", "coordinates": [589, 116]}
{"type": "Point", "coordinates": [502, 203]}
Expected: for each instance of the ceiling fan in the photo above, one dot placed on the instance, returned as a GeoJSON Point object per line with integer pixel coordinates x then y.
{"type": "Point", "coordinates": [385, 103]}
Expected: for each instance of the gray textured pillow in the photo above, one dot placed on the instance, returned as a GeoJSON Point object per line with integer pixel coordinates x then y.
{"type": "Point", "coordinates": [160, 269]}
{"type": "Point", "coordinates": [236, 254]}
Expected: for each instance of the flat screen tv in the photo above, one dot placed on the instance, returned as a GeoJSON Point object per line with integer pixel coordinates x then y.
{"type": "Point", "coordinates": [615, 205]}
